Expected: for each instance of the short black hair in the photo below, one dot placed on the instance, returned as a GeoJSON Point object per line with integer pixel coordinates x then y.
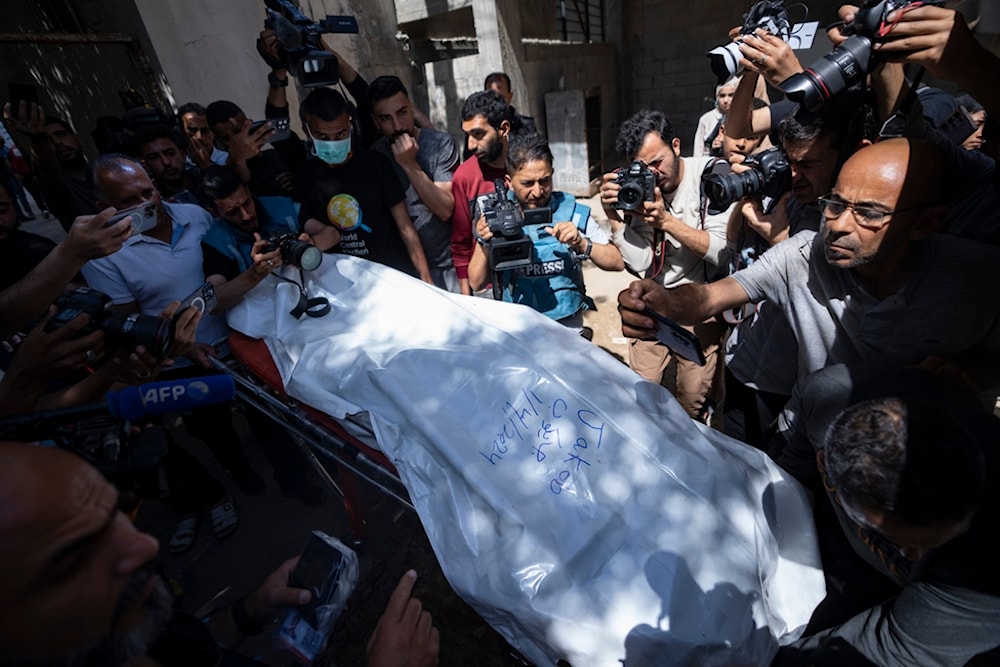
{"type": "Point", "coordinates": [56, 120]}
{"type": "Point", "coordinates": [324, 103]}
{"type": "Point", "coordinates": [385, 87]}
{"type": "Point", "coordinates": [489, 104]}
{"type": "Point", "coordinates": [218, 182]}
{"type": "Point", "coordinates": [159, 132]}
{"type": "Point", "coordinates": [220, 111]}
{"type": "Point", "coordinates": [846, 120]}
{"type": "Point", "coordinates": [634, 130]}
{"type": "Point", "coordinates": [910, 460]}
{"type": "Point", "coordinates": [527, 147]}
{"type": "Point", "coordinates": [190, 107]}
{"type": "Point", "coordinates": [497, 77]}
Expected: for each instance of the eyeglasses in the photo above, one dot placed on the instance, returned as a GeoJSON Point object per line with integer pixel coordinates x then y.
{"type": "Point", "coordinates": [866, 216]}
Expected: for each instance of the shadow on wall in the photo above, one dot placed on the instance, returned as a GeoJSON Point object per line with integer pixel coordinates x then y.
{"type": "Point", "coordinates": [78, 82]}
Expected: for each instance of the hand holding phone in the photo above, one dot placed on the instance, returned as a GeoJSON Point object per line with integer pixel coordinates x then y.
{"type": "Point", "coordinates": [677, 338]}
{"type": "Point", "coordinates": [143, 217]}
{"type": "Point", "coordinates": [202, 299]}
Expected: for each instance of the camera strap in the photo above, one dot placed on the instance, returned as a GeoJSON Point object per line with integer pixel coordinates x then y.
{"type": "Point", "coordinates": [895, 125]}
{"type": "Point", "coordinates": [316, 306]}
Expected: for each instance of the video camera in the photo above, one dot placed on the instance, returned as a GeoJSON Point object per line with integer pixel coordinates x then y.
{"type": "Point", "coordinates": [850, 62]}
{"type": "Point", "coordinates": [767, 15]}
{"type": "Point", "coordinates": [302, 50]}
{"type": "Point", "coordinates": [509, 247]}
{"type": "Point", "coordinates": [121, 330]}
{"type": "Point", "coordinates": [117, 134]}
{"type": "Point", "coordinates": [296, 252]}
{"type": "Point", "coordinates": [769, 175]}
{"type": "Point", "coordinates": [638, 185]}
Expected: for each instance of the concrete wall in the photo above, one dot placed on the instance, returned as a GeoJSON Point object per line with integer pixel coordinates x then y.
{"type": "Point", "coordinates": [664, 43]}
{"type": "Point", "coordinates": [79, 82]}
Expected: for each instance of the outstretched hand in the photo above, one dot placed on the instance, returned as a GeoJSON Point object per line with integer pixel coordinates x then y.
{"type": "Point", "coordinates": [405, 635]}
{"type": "Point", "coordinates": [264, 604]}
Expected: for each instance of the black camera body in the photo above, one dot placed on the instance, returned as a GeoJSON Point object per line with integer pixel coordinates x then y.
{"type": "Point", "coordinates": [509, 248]}
{"type": "Point", "coordinates": [850, 62]}
{"type": "Point", "coordinates": [767, 15]}
{"type": "Point", "coordinates": [294, 251]}
{"type": "Point", "coordinates": [638, 185]}
{"type": "Point", "coordinates": [121, 330]}
{"type": "Point", "coordinates": [770, 175]}
{"type": "Point", "coordinates": [301, 42]}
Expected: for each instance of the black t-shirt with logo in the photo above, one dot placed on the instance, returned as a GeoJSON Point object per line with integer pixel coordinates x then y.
{"type": "Point", "coordinates": [357, 198]}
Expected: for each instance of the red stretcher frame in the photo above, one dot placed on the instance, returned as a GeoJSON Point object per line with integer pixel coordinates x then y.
{"type": "Point", "coordinates": [259, 384]}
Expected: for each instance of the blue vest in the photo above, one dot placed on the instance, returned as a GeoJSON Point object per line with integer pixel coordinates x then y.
{"type": "Point", "coordinates": [275, 215]}
{"type": "Point", "coordinates": [553, 283]}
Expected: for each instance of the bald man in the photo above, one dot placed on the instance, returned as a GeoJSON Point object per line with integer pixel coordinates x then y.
{"type": "Point", "coordinates": [875, 285]}
{"type": "Point", "coordinates": [77, 584]}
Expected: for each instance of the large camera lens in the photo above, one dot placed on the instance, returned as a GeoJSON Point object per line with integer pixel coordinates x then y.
{"type": "Point", "coordinates": [723, 190]}
{"type": "Point", "coordinates": [630, 196]}
{"type": "Point", "coordinates": [301, 254]}
{"type": "Point", "coordinates": [126, 331]}
{"type": "Point", "coordinates": [830, 75]}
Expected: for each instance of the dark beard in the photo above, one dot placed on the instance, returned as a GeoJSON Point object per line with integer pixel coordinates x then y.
{"type": "Point", "coordinates": [117, 649]}
{"type": "Point", "coordinates": [493, 151]}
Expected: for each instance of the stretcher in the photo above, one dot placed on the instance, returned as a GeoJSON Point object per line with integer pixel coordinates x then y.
{"type": "Point", "coordinates": [573, 505]}
{"type": "Point", "coordinates": [349, 446]}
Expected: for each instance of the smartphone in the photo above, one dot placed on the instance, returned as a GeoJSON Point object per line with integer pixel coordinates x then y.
{"type": "Point", "coordinates": [143, 217]}
{"type": "Point", "coordinates": [317, 571]}
{"type": "Point", "coordinates": [677, 338]}
{"type": "Point", "coordinates": [958, 127]}
{"type": "Point", "coordinates": [255, 127]}
{"type": "Point", "coordinates": [282, 130]}
{"type": "Point", "coordinates": [21, 92]}
{"type": "Point", "coordinates": [202, 298]}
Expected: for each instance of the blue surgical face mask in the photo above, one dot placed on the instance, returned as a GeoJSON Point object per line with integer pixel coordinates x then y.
{"type": "Point", "coordinates": [332, 152]}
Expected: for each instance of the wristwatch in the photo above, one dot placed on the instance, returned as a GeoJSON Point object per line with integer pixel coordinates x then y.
{"type": "Point", "coordinates": [586, 253]}
{"type": "Point", "coordinates": [275, 82]}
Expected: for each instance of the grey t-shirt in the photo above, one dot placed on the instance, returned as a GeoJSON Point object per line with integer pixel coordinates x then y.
{"type": "Point", "coordinates": [438, 158]}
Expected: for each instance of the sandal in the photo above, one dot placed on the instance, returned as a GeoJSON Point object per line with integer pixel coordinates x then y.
{"type": "Point", "coordinates": [184, 535]}
{"type": "Point", "coordinates": [225, 519]}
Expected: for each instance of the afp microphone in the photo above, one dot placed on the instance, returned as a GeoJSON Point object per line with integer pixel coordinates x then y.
{"type": "Point", "coordinates": [158, 398]}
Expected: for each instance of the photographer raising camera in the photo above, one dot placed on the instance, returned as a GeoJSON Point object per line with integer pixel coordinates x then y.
{"type": "Point", "coordinates": [532, 249]}
{"type": "Point", "coordinates": [661, 224]}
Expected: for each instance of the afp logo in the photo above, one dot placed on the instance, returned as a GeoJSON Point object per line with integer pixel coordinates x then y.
{"type": "Point", "coordinates": [196, 391]}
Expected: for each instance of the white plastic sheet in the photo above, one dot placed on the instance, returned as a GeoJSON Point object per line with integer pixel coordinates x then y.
{"type": "Point", "coordinates": [572, 504]}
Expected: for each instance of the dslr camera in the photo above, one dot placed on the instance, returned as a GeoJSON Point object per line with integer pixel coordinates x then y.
{"type": "Point", "coordinates": [121, 330]}
{"type": "Point", "coordinates": [767, 15]}
{"type": "Point", "coordinates": [509, 247]}
{"type": "Point", "coordinates": [294, 251]}
{"type": "Point", "coordinates": [850, 62]}
{"type": "Point", "coordinates": [302, 50]}
{"type": "Point", "coordinates": [638, 185]}
{"type": "Point", "coordinates": [769, 175]}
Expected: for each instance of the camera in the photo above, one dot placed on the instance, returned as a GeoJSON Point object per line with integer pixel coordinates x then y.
{"type": "Point", "coordinates": [302, 48]}
{"type": "Point", "coordinates": [294, 251]}
{"type": "Point", "coordinates": [850, 62]}
{"type": "Point", "coordinates": [509, 247]}
{"type": "Point", "coordinates": [768, 15]}
{"type": "Point", "coordinates": [769, 175]}
{"type": "Point", "coordinates": [121, 330]}
{"type": "Point", "coordinates": [638, 185]}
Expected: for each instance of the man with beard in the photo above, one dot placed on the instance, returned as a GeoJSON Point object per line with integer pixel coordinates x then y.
{"type": "Point", "coordinates": [78, 587]}
{"type": "Point", "coordinates": [354, 190]}
{"type": "Point", "coordinates": [201, 149]}
{"type": "Point", "coordinates": [58, 161]}
{"type": "Point", "coordinates": [552, 283]}
{"type": "Point", "coordinates": [165, 159]}
{"type": "Point", "coordinates": [673, 239]}
{"type": "Point", "coordinates": [871, 286]}
{"type": "Point", "coordinates": [487, 125]}
{"type": "Point", "coordinates": [425, 161]}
